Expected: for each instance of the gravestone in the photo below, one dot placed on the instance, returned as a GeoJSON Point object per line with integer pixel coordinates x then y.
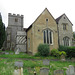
{"type": "Point", "coordinates": [19, 70]}
{"type": "Point", "coordinates": [6, 53]}
{"type": "Point", "coordinates": [58, 72]}
{"type": "Point", "coordinates": [67, 71]}
{"type": "Point", "coordinates": [73, 59]}
{"type": "Point", "coordinates": [62, 57]}
{"type": "Point", "coordinates": [70, 70]}
{"type": "Point", "coordinates": [46, 62]}
{"type": "Point", "coordinates": [11, 53]}
{"type": "Point", "coordinates": [17, 51]}
{"type": "Point", "coordinates": [44, 71]}
{"type": "Point", "coordinates": [19, 64]}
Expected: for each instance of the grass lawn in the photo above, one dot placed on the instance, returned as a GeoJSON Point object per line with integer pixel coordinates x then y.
{"type": "Point", "coordinates": [29, 63]}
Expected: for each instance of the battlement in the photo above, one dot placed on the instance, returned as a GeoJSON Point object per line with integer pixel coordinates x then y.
{"type": "Point", "coordinates": [15, 15]}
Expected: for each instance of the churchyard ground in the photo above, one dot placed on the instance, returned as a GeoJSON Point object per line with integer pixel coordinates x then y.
{"type": "Point", "coordinates": [29, 63]}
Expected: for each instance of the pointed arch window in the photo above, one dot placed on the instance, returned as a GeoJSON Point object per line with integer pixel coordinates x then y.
{"type": "Point", "coordinates": [48, 36]}
{"type": "Point", "coordinates": [66, 41]}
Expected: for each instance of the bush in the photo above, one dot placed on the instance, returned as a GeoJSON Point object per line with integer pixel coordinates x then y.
{"type": "Point", "coordinates": [37, 54]}
{"type": "Point", "coordinates": [62, 52]}
{"type": "Point", "coordinates": [43, 49]}
{"type": "Point", "coordinates": [70, 51]}
{"type": "Point", "coordinates": [55, 52]}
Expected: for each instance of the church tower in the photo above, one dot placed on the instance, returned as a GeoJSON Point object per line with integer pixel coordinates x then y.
{"type": "Point", "coordinates": [15, 23]}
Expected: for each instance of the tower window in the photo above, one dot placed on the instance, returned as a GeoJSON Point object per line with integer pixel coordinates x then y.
{"type": "Point", "coordinates": [16, 19]}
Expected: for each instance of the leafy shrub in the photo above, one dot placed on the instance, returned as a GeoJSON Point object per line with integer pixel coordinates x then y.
{"type": "Point", "coordinates": [55, 52]}
{"type": "Point", "coordinates": [37, 54]}
{"type": "Point", "coordinates": [43, 49]}
{"type": "Point", "coordinates": [70, 51]}
{"type": "Point", "coordinates": [63, 48]}
{"type": "Point", "coordinates": [62, 52]}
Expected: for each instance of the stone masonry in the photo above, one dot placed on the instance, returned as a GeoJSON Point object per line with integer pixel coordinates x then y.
{"type": "Point", "coordinates": [15, 24]}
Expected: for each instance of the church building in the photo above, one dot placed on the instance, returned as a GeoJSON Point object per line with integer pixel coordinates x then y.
{"type": "Point", "coordinates": [44, 30]}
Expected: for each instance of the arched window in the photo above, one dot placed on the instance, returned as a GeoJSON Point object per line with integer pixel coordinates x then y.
{"type": "Point", "coordinates": [66, 41]}
{"type": "Point", "coordinates": [48, 36]}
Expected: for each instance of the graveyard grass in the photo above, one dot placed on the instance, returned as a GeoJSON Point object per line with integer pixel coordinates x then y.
{"type": "Point", "coordinates": [29, 63]}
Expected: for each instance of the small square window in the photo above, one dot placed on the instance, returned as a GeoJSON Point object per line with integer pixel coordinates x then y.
{"type": "Point", "coordinates": [38, 30]}
{"type": "Point", "coordinates": [47, 20]}
{"type": "Point", "coordinates": [64, 27]}
{"type": "Point", "coordinates": [64, 17]}
{"type": "Point", "coordinates": [16, 20]}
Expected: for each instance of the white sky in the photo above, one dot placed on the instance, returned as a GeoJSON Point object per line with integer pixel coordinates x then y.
{"type": "Point", "coordinates": [31, 9]}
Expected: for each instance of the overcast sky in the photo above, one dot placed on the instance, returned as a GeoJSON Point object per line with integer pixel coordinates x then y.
{"type": "Point", "coordinates": [31, 9]}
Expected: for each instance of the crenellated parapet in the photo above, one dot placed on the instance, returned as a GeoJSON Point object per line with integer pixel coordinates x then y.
{"type": "Point", "coordinates": [15, 15]}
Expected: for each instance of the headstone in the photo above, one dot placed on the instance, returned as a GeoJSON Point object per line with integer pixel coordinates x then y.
{"type": "Point", "coordinates": [67, 71]}
{"type": "Point", "coordinates": [17, 51]}
{"type": "Point", "coordinates": [58, 72]}
{"type": "Point", "coordinates": [2, 52]}
{"type": "Point", "coordinates": [62, 57]}
{"type": "Point", "coordinates": [46, 62]}
{"type": "Point", "coordinates": [11, 53]}
{"type": "Point", "coordinates": [19, 64]}
{"type": "Point", "coordinates": [73, 59]}
{"type": "Point", "coordinates": [74, 69]}
{"type": "Point", "coordinates": [6, 53]}
{"type": "Point", "coordinates": [18, 71]}
{"type": "Point", "coordinates": [44, 71]}
{"type": "Point", "coordinates": [70, 70]}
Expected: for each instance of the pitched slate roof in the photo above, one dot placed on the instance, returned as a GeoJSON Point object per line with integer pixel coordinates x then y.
{"type": "Point", "coordinates": [57, 20]}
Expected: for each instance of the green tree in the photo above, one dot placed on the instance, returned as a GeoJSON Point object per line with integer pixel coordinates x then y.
{"type": "Point", "coordinates": [2, 32]}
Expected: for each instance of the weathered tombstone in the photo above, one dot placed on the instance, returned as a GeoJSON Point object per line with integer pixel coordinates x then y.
{"type": "Point", "coordinates": [17, 51]}
{"type": "Point", "coordinates": [70, 70]}
{"type": "Point", "coordinates": [58, 72]}
{"type": "Point", "coordinates": [67, 71]}
{"type": "Point", "coordinates": [44, 71]}
{"type": "Point", "coordinates": [74, 69]}
{"type": "Point", "coordinates": [19, 64]}
{"type": "Point", "coordinates": [2, 52]}
{"type": "Point", "coordinates": [11, 53]}
{"type": "Point", "coordinates": [62, 57]}
{"type": "Point", "coordinates": [46, 62]}
{"type": "Point", "coordinates": [19, 70]}
{"type": "Point", "coordinates": [6, 53]}
{"type": "Point", "coordinates": [73, 59]}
